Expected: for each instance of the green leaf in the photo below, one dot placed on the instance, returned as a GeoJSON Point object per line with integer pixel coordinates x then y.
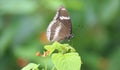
{"type": "Point", "coordinates": [49, 48]}
{"type": "Point", "coordinates": [60, 47]}
{"type": "Point", "coordinates": [68, 61]}
{"type": "Point", "coordinates": [31, 66]}
{"type": "Point", "coordinates": [63, 48]}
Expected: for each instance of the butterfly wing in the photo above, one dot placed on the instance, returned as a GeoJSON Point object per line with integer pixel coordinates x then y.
{"type": "Point", "coordinates": [65, 32]}
{"type": "Point", "coordinates": [60, 28]}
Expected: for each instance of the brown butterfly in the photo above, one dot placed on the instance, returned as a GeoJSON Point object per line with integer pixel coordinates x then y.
{"type": "Point", "coordinates": [60, 27]}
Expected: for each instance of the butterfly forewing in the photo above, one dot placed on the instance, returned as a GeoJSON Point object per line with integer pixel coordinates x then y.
{"type": "Point", "coordinates": [60, 27]}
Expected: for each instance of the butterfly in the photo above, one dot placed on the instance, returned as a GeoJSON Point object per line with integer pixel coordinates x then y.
{"type": "Point", "coordinates": [60, 28]}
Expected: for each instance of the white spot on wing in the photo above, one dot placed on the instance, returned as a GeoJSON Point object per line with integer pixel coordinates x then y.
{"type": "Point", "coordinates": [63, 9]}
{"type": "Point", "coordinates": [58, 28]}
{"type": "Point", "coordinates": [64, 18]}
{"type": "Point", "coordinates": [49, 29]}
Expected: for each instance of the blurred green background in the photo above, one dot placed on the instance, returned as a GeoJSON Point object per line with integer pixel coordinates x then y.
{"type": "Point", "coordinates": [95, 23]}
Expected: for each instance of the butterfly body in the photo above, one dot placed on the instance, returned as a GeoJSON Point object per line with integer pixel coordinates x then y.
{"type": "Point", "coordinates": [60, 27]}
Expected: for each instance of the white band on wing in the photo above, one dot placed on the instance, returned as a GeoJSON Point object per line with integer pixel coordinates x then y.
{"type": "Point", "coordinates": [63, 9]}
{"type": "Point", "coordinates": [49, 29]}
{"type": "Point", "coordinates": [64, 18]}
{"type": "Point", "coordinates": [57, 31]}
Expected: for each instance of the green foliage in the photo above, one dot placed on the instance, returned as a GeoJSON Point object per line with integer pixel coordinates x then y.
{"type": "Point", "coordinates": [68, 61]}
{"type": "Point", "coordinates": [65, 59]}
{"type": "Point", "coordinates": [62, 48]}
{"type": "Point", "coordinates": [115, 60]}
{"type": "Point", "coordinates": [31, 66]}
